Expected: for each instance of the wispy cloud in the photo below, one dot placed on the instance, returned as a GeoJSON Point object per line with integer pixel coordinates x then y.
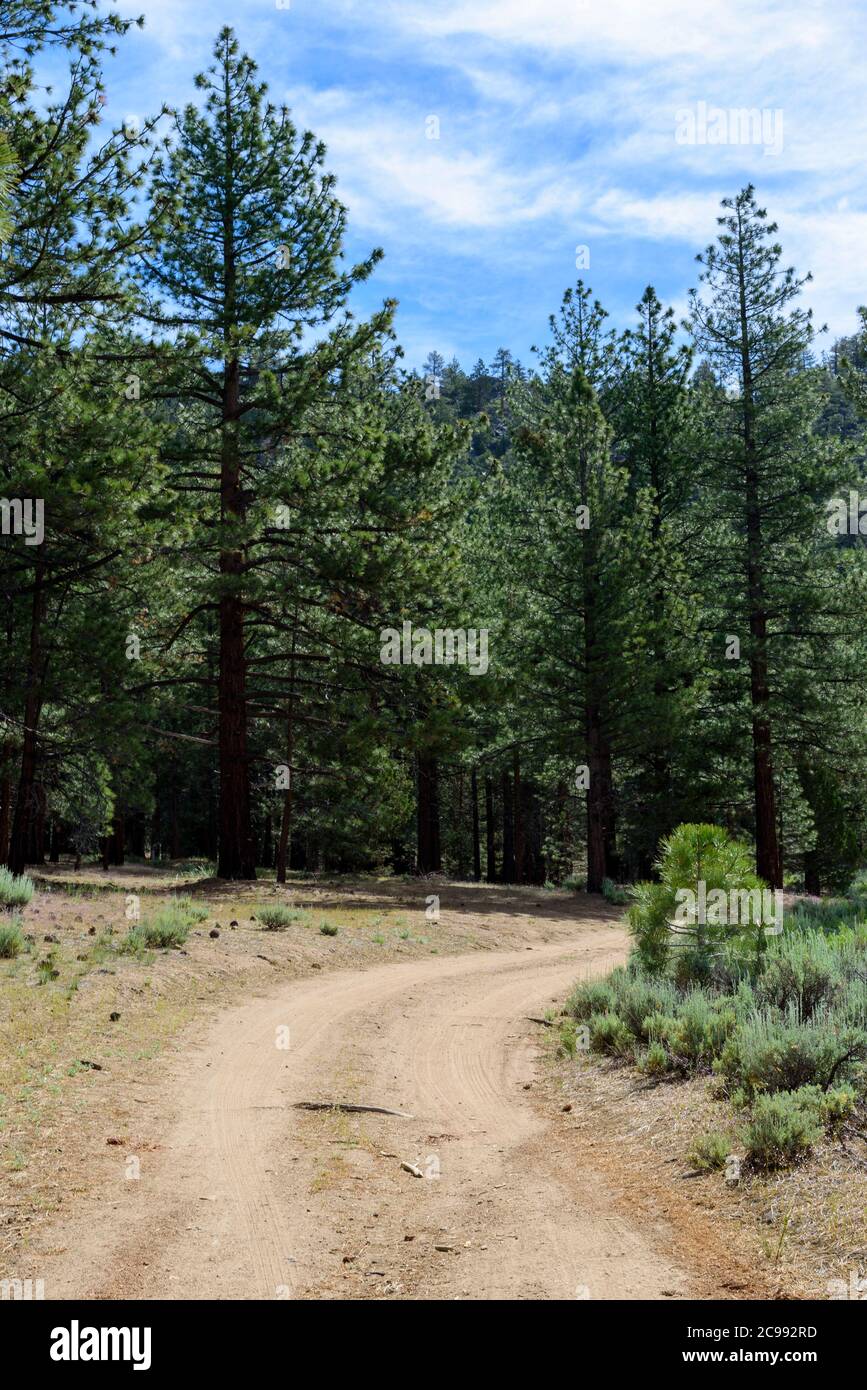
{"type": "Point", "coordinates": [556, 127]}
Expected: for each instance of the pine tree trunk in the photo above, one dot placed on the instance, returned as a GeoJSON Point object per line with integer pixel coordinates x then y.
{"type": "Point", "coordinates": [460, 848]}
{"type": "Point", "coordinates": [429, 855]}
{"type": "Point", "coordinates": [518, 801]}
{"type": "Point", "coordinates": [564, 837]}
{"type": "Point", "coordinates": [176, 833]}
{"type": "Point", "coordinates": [118, 838]}
{"type": "Point", "coordinates": [283, 847]}
{"type": "Point", "coordinates": [768, 863]}
{"type": "Point", "coordinates": [137, 834]}
{"type": "Point", "coordinates": [600, 791]}
{"type": "Point", "coordinates": [531, 816]}
{"type": "Point", "coordinates": [5, 806]}
{"type": "Point", "coordinates": [21, 843]}
{"type": "Point", "coordinates": [490, 831]}
{"type": "Point", "coordinates": [508, 870]}
{"type": "Point", "coordinates": [237, 854]}
{"type": "Point", "coordinates": [477, 848]}
{"type": "Point", "coordinates": [812, 878]}
{"type": "Point", "coordinates": [598, 802]}
{"type": "Point", "coordinates": [286, 818]}
{"type": "Point", "coordinates": [299, 856]}
{"type": "Point", "coordinates": [237, 857]}
{"type": "Point", "coordinates": [660, 761]}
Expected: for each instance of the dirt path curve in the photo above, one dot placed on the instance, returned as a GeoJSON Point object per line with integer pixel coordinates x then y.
{"type": "Point", "coordinates": [245, 1197]}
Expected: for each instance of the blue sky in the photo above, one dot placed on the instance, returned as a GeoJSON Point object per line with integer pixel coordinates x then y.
{"type": "Point", "coordinates": [558, 127]}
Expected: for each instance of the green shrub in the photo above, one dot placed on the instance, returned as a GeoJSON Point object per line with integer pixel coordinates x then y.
{"type": "Point", "coordinates": [782, 1129]}
{"type": "Point", "coordinates": [613, 894]}
{"type": "Point", "coordinates": [133, 944]}
{"type": "Point", "coordinates": [705, 1025]}
{"type": "Point", "coordinates": [11, 940]}
{"type": "Point", "coordinates": [567, 1038]}
{"type": "Point", "coordinates": [709, 1151]}
{"type": "Point", "coordinates": [278, 917]}
{"type": "Point", "coordinates": [838, 1104]}
{"type": "Point", "coordinates": [609, 1034]}
{"type": "Point", "coordinates": [574, 883]}
{"type": "Point", "coordinates": [782, 1019]}
{"type": "Point", "coordinates": [195, 868]}
{"type": "Point", "coordinates": [770, 1052]}
{"type": "Point", "coordinates": [829, 915]}
{"type": "Point", "coordinates": [329, 929]}
{"type": "Point", "coordinates": [46, 968]}
{"type": "Point", "coordinates": [743, 1001]}
{"type": "Point", "coordinates": [802, 970]}
{"type": "Point", "coordinates": [637, 998]}
{"type": "Point", "coordinates": [690, 967]}
{"type": "Point", "coordinates": [15, 890]}
{"type": "Point", "coordinates": [166, 928]}
{"type": "Point", "coordinates": [730, 971]}
{"type": "Point", "coordinates": [696, 1033]}
{"type": "Point", "coordinates": [190, 910]}
{"type": "Point", "coordinates": [655, 1061]}
{"type": "Point", "coordinates": [858, 887]}
{"type": "Point", "coordinates": [660, 1027]}
{"type": "Point", "coordinates": [590, 997]}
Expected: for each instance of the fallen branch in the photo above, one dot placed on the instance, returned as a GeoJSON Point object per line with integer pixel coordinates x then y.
{"type": "Point", "coordinates": [346, 1105]}
{"type": "Point", "coordinates": [545, 1022]}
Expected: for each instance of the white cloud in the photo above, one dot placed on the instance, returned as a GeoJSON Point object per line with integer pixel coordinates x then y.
{"type": "Point", "coordinates": [634, 29]}
{"type": "Point", "coordinates": [829, 242]}
{"type": "Point", "coordinates": [389, 166]}
{"type": "Point", "coordinates": [557, 124]}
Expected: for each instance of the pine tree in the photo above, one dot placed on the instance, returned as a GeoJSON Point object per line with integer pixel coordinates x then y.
{"type": "Point", "coordinates": [479, 385]}
{"type": "Point", "coordinates": [577, 541]}
{"type": "Point", "coordinates": [501, 369]}
{"type": "Point", "coordinates": [434, 367]}
{"type": "Point", "coordinates": [245, 272]}
{"type": "Point", "coordinates": [66, 301]}
{"type": "Point", "coordinates": [650, 416]}
{"type": "Point", "coordinates": [765, 477]}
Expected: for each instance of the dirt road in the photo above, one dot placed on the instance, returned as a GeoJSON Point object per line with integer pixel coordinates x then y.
{"type": "Point", "coordinates": [243, 1196]}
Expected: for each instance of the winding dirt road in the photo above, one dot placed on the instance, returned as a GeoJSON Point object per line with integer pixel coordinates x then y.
{"type": "Point", "coordinates": [246, 1197]}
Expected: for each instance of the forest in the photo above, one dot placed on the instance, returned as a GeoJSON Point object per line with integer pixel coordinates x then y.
{"type": "Point", "coordinates": [275, 599]}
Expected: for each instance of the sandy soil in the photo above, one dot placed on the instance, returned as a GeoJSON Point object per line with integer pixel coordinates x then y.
{"type": "Point", "coordinates": [216, 1186]}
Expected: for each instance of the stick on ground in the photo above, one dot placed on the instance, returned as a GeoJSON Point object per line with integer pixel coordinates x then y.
{"type": "Point", "coordinates": [347, 1105]}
